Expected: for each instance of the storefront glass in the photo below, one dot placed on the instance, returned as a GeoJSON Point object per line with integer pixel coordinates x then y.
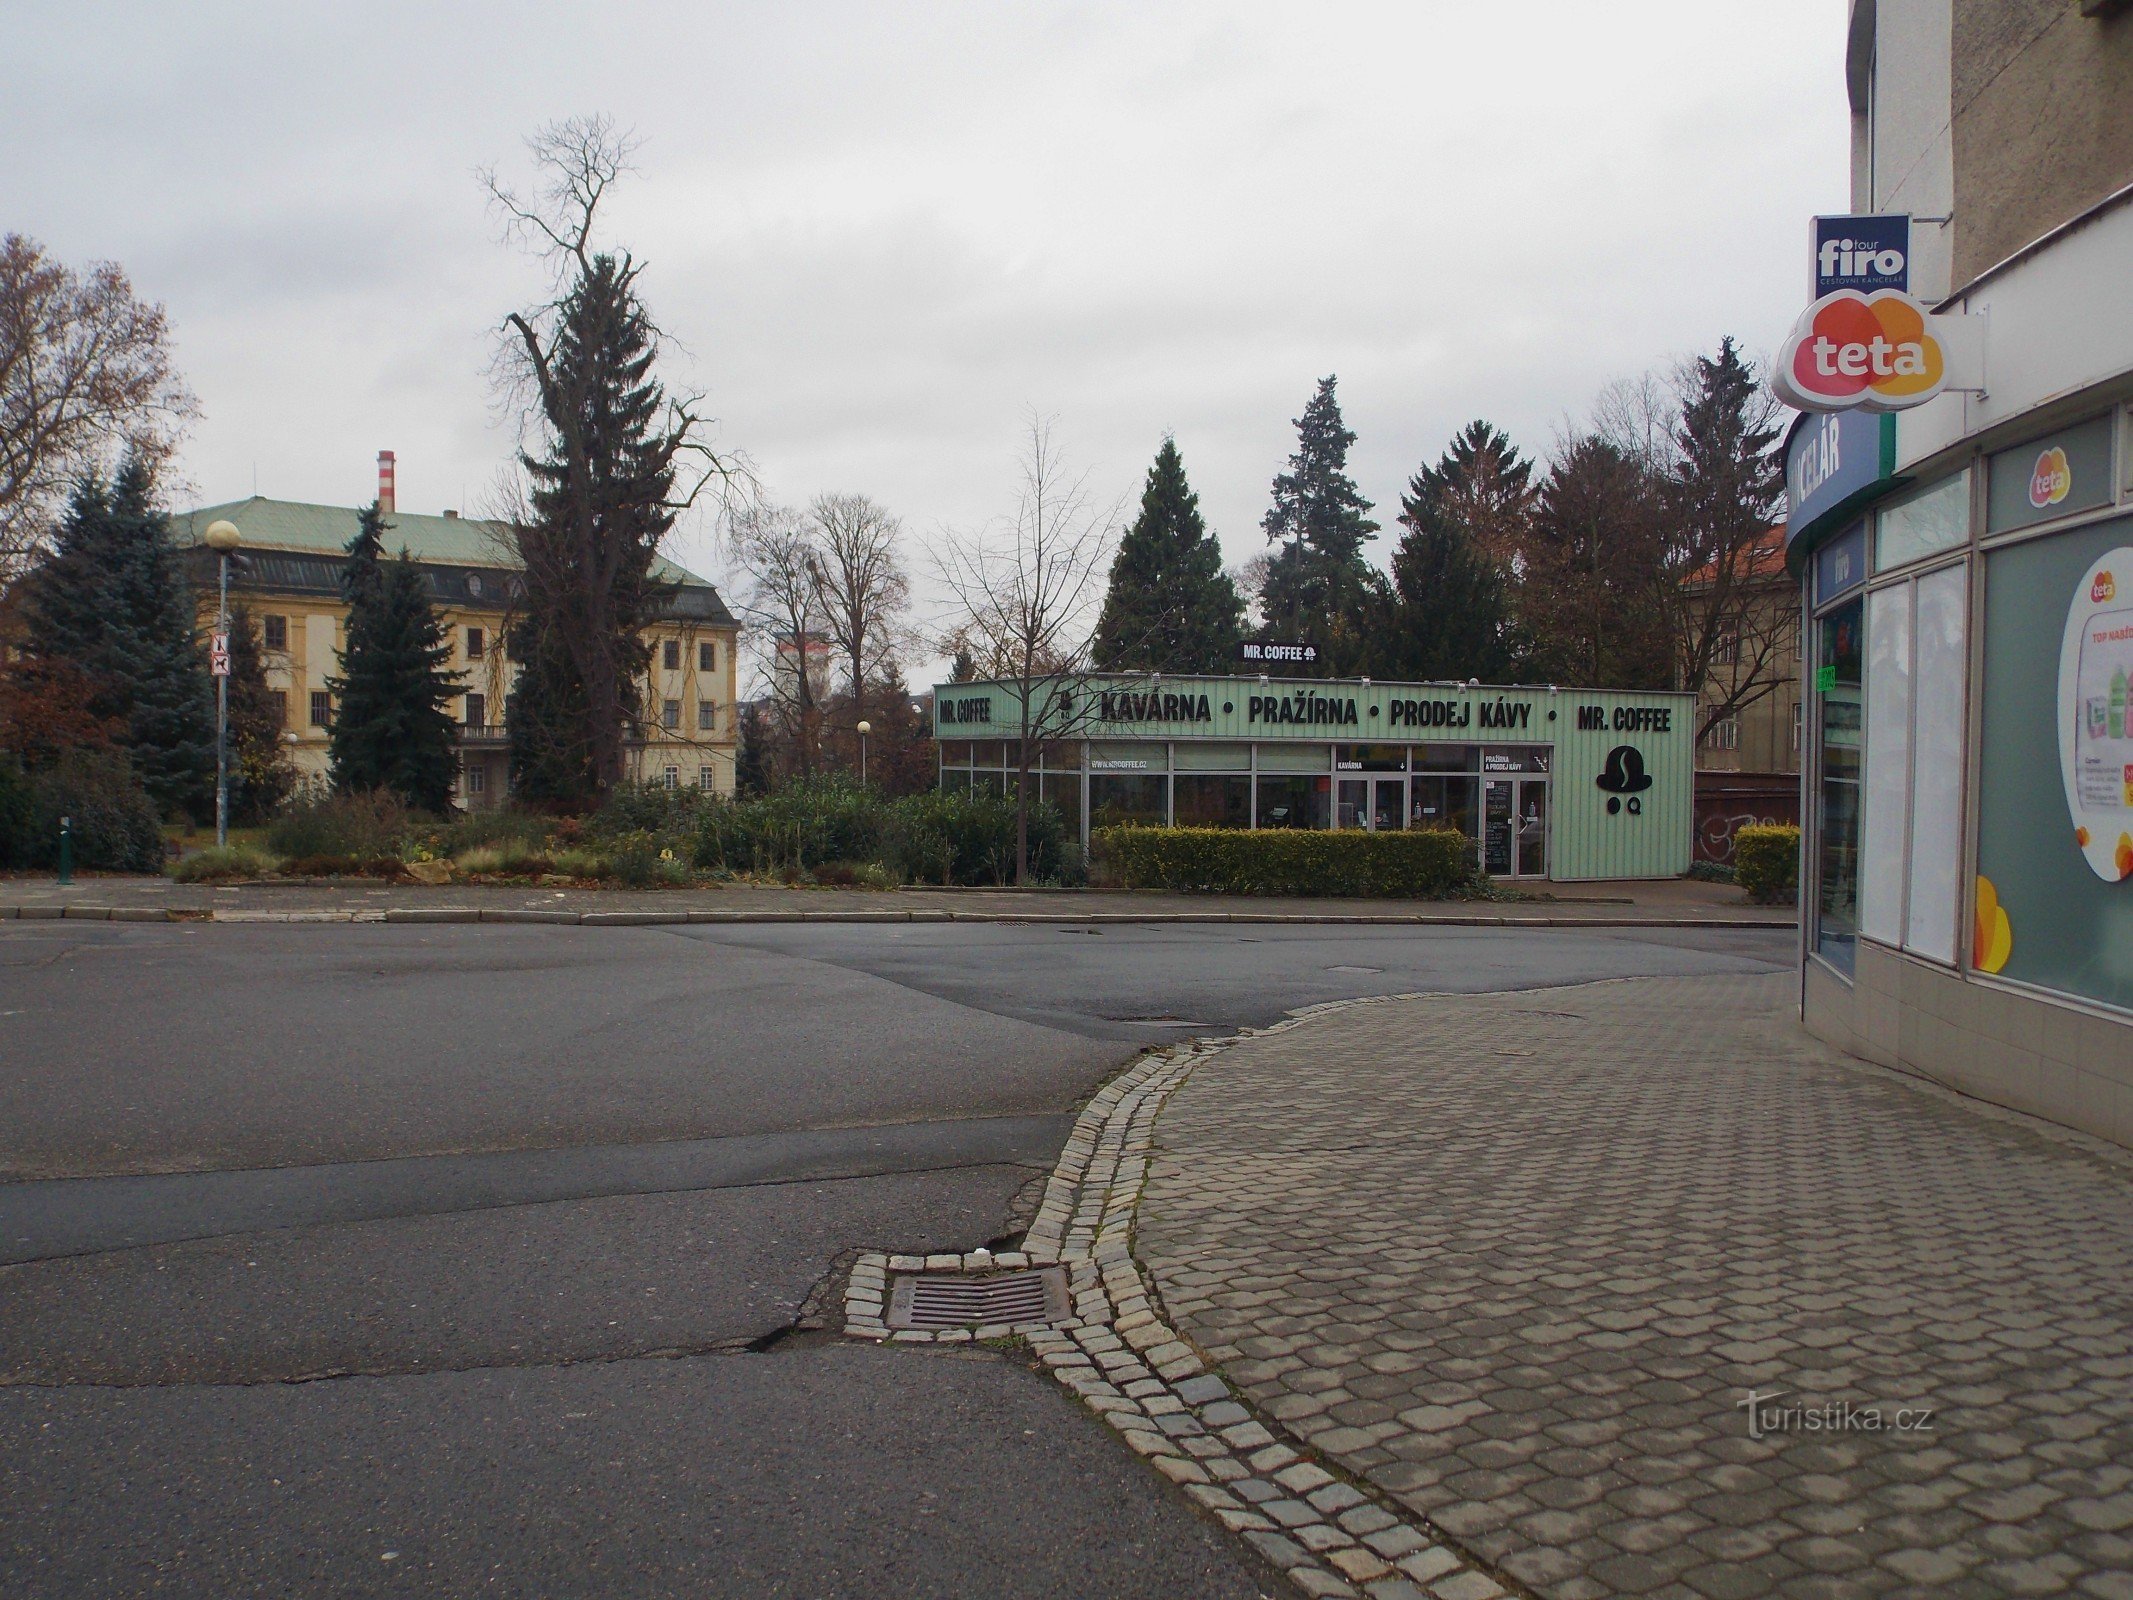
{"type": "Point", "coordinates": [1119, 798]}
{"type": "Point", "coordinates": [1213, 800]}
{"type": "Point", "coordinates": [1443, 802]}
{"type": "Point", "coordinates": [1838, 699]}
{"type": "Point", "coordinates": [2054, 897]}
{"type": "Point", "coordinates": [1062, 793]}
{"type": "Point", "coordinates": [1294, 800]}
{"type": "Point", "coordinates": [1938, 519]}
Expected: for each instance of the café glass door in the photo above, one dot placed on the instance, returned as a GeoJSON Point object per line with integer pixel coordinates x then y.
{"type": "Point", "coordinates": [1514, 827]}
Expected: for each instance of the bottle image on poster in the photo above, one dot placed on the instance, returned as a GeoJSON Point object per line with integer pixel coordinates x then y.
{"type": "Point", "coordinates": [2096, 714]}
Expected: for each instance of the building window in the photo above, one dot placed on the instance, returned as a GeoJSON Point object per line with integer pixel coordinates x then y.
{"type": "Point", "coordinates": [1726, 652]}
{"type": "Point", "coordinates": [706, 657]}
{"type": "Point", "coordinates": [1840, 711]}
{"type": "Point", "coordinates": [673, 778]}
{"type": "Point", "coordinates": [474, 583]}
{"type": "Point", "coordinates": [1799, 721]}
{"type": "Point", "coordinates": [670, 655]}
{"type": "Point", "coordinates": [477, 778]}
{"type": "Point", "coordinates": [281, 707]}
{"type": "Point", "coordinates": [706, 716]}
{"type": "Point", "coordinates": [477, 711]}
{"type": "Point", "coordinates": [1724, 734]}
{"type": "Point", "coordinates": [703, 778]}
{"type": "Point", "coordinates": [670, 714]}
{"type": "Point", "coordinates": [321, 709]}
{"type": "Point", "coordinates": [274, 631]}
{"type": "Point", "coordinates": [475, 643]}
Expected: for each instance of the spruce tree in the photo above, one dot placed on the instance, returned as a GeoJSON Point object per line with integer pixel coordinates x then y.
{"type": "Point", "coordinates": [113, 599]}
{"type": "Point", "coordinates": [1319, 587]}
{"type": "Point", "coordinates": [391, 729]}
{"type": "Point", "coordinates": [602, 500]}
{"type": "Point", "coordinates": [1450, 615]}
{"type": "Point", "coordinates": [1170, 607]}
{"type": "Point", "coordinates": [262, 776]}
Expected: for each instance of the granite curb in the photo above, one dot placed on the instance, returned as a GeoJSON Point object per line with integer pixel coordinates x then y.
{"type": "Point", "coordinates": [1336, 1538]}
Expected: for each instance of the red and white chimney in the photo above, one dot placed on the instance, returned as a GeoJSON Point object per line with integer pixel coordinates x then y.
{"type": "Point", "coordinates": [385, 480]}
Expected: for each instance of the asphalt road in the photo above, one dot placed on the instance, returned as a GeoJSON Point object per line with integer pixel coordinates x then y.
{"type": "Point", "coordinates": [399, 1259]}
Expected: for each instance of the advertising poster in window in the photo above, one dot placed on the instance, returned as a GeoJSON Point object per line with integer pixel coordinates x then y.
{"type": "Point", "coordinates": [2054, 899]}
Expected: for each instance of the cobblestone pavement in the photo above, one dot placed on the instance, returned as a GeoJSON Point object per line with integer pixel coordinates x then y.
{"type": "Point", "coordinates": [1517, 1260]}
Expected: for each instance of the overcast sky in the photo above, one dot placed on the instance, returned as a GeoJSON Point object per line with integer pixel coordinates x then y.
{"type": "Point", "coordinates": [882, 233]}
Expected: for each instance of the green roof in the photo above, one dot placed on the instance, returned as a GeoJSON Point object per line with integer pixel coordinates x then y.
{"type": "Point", "coordinates": [328, 530]}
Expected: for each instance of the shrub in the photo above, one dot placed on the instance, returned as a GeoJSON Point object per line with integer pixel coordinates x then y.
{"type": "Point", "coordinates": [510, 857]}
{"type": "Point", "coordinates": [224, 861]}
{"type": "Point", "coordinates": [526, 831]}
{"type": "Point", "coordinates": [1766, 862]}
{"type": "Point", "coordinates": [947, 838]}
{"type": "Point", "coordinates": [346, 867]}
{"type": "Point", "coordinates": [640, 861]}
{"type": "Point", "coordinates": [792, 831]}
{"type": "Point", "coordinates": [1711, 872]}
{"type": "Point", "coordinates": [582, 863]}
{"type": "Point", "coordinates": [363, 826]}
{"type": "Point", "coordinates": [650, 808]}
{"type": "Point", "coordinates": [1418, 865]}
{"type": "Point", "coordinates": [114, 822]}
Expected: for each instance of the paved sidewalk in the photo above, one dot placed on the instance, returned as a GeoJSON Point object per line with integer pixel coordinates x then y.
{"type": "Point", "coordinates": [1661, 902]}
{"type": "Point", "coordinates": [1518, 1260]}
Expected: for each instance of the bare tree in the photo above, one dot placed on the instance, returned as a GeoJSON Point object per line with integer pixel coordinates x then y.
{"type": "Point", "coordinates": [1024, 597]}
{"type": "Point", "coordinates": [619, 458]}
{"type": "Point", "coordinates": [774, 549]}
{"type": "Point", "coordinates": [860, 585]}
{"type": "Point", "coordinates": [85, 372]}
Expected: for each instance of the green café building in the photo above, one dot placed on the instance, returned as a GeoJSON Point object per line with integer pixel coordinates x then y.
{"type": "Point", "coordinates": [1548, 783]}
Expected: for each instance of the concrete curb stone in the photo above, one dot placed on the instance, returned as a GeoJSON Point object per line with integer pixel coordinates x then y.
{"type": "Point", "coordinates": [1334, 1538]}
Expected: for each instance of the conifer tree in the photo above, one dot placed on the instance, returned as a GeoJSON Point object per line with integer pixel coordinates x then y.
{"type": "Point", "coordinates": [1170, 607]}
{"type": "Point", "coordinates": [1319, 587]}
{"type": "Point", "coordinates": [114, 601]}
{"type": "Point", "coordinates": [391, 729]}
{"type": "Point", "coordinates": [262, 776]}
{"type": "Point", "coordinates": [1451, 615]}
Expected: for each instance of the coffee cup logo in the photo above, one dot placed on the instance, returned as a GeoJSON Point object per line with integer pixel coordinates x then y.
{"type": "Point", "coordinates": [1624, 777]}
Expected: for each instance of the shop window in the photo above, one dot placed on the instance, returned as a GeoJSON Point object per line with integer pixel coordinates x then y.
{"type": "Point", "coordinates": [955, 752]}
{"type": "Point", "coordinates": [1210, 755]}
{"type": "Point", "coordinates": [1370, 757]}
{"type": "Point", "coordinates": [2047, 478]}
{"type": "Point", "coordinates": [321, 709]}
{"type": "Point", "coordinates": [477, 711]}
{"type": "Point", "coordinates": [1444, 802]}
{"type": "Point", "coordinates": [1885, 794]}
{"type": "Point", "coordinates": [1125, 757]}
{"type": "Point", "coordinates": [1445, 758]}
{"type": "Point", "coordinates": [1923, 525]}
{"type": "Point", "coordinates": [1119, 798]}
{"type": "Point", "coordinates": [1212, 800]}
{"type": "Point", "coordinates": [670, 655]}
{"type": "Point", "coordinates": [477, 642]}
{"type": "Point", "coordinates": [670, 714]}
{"type": "Point", "coordinates": [1293, 758]}
{"type": "Point", "coordinates": [706, 716]}
{"type": "Point", "coordinates": [1839, 708]}
{"type": "Point", "coordinates": [2054, 904]}
{"type": "Point", "coordinates": [274, 632]}
{"type": "Point", "coordinates": [706, 656]}
{"type": "Point", "coordinates": [1293, 800]}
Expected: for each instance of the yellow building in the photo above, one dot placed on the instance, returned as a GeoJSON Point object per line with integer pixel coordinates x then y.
{"type": "Point", "coordinates": [290, 580]}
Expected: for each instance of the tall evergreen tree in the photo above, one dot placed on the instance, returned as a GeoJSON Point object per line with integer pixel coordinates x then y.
{"type": "Point", "coordinates": [601, 503]}
{"type": "Point", "coordinates": [391, 729]}
{"type": "Point", "coordinates": [1170, 606]}
{"type": "Point", "coordinates": [1591, 586]}
{"type": "Point", "coordinates": [113, 600]}
{"type": "Point", "coordinates": [262, 776]}
{"type": "Point", "coordinates": [1451, 614]}
{"type": "Point", "coordinates": [1319, 587]}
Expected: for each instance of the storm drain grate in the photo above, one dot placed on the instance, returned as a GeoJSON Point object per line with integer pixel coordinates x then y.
{"type": "Point", "coordinates": [950, 1300]}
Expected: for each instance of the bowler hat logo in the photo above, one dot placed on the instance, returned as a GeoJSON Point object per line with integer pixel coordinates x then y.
{"type": "Point", "coordinates": [1624, 775]}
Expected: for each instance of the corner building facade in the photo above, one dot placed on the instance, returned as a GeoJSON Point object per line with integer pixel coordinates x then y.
{"type": "Point", "coordinates": [1966, 571]}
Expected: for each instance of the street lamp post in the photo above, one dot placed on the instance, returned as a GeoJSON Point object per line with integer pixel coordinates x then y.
{"type": "Point", "coordinates": [865, 728]}
{"type": "Point", "coordinates": [222, 538]}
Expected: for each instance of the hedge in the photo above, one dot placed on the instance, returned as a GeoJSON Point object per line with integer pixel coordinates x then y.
{"type": "Point", "coordinates": [1766, 861]}
{"type": "Point", "coordinates": [1426, 864]}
